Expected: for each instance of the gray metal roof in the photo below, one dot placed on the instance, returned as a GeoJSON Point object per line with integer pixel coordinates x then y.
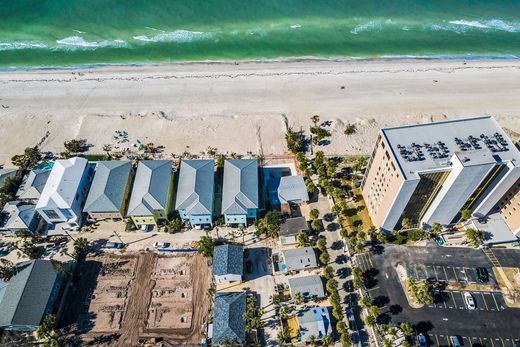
{"type": "Point", "coordinates": [108, 186]}
{"type": "Point", "coordinates": [228, 259]}
{"type": "Point", "coordinates": [34, 183]}
{"type": "Point", "coordinates": [293, 226]}
{"type": "Point", "coordinates": [28, 293]}
{"type": "Point", "coordinates": [150, 189]}
{"type": "Point", "coordinates": [195, 187]}
{"type": "Point", "coordinates": [311, 286]}
{"type": "Point", "coordinates": [240, 191]}
{"type": "Point", "coordinates": [453, 135]}
{"type": "Point", "coordinates": [4, 173]}
{"type": "Point", "coordinates": [299, 258]}
{"type": "Point", "coordinates": [292, 189]}
{"type": "Point", "coordinates": [315, 322]}
{"type": "Point", "coordinates": [19, 214]}
{"type": "Point", "coordinates": [228, 321]}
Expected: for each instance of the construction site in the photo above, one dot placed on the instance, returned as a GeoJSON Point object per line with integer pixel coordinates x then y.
{"type": "Point", "coordinates": [146, 296]}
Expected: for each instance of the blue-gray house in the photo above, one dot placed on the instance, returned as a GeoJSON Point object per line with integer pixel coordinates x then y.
{"type": "Point", "coordinates": [228, 322]}
{"type": "Point", "coordinates": [240, 191]}
{"type": "Point", "coordinates": [29, 295]}
{"type": "Point", "coordinates": [195, 192]}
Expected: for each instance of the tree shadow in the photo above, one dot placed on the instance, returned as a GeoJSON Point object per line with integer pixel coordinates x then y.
{"type": "Point", "coordinates": [337, 245]}
{"type": "Point", "coordinates": [341, 259]}
{"type": "Point", "coordinates": [332, 227]}
{"type": "Point", "coordinates": [395, 309]}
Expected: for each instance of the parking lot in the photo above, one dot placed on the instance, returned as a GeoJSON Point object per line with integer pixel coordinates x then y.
{"type": "Point", "coordinates": [454, 300]}
{"type": "Point", "coordinates": [441, 273]}
{"type": "Point", "coordinates": [491, 323]}
{"type": "Point", "coordinates": [443, 340]}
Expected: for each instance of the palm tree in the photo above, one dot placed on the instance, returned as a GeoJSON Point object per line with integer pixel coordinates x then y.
{"type": "Point", "coordinates": [283, 312]}
{"type": "Point", "coordinates": [274, 299]}
{"type": "Point", "coordinates": [80, 244]}
{"type": "Point", "coordinates": [406, 328]}
{"type": "Point", "coordinates": [326, 340]}
{"type": "Point", "coordinates": [298, 298]}
{"type": "Point", "coordinates": [313, 341]}
{"type": "Point", "coordinates": [283, 335]}
{"type": "Point", "coordinates": [7, 270]}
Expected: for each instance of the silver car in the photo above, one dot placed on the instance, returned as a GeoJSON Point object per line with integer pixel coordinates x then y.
{"type": "Point", "coordinates": [470, 302]}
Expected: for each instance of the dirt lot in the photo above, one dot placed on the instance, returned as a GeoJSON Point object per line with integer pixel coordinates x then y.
{"type": "Point", "coordinates": [138, 296]}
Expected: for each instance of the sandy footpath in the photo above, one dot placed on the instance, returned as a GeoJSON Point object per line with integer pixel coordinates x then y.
{"type": "Point", "coordinates": [241, 108]}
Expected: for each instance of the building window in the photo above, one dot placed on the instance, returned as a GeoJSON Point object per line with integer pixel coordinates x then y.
{"type": "Point", "coordinates": [51, 214]}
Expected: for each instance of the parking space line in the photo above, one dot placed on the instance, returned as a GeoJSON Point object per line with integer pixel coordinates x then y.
{"type": "Point", "coordinates": [481, 343]}
{"type": "Point", "coordinates": [445, 274]}
{"type": "Point", "coordinates": [492, 342]}
{"type": "Point", "coordinates": [495, 300]}
{"type": "Point", "coordinates": [370, 261]}
{"type": "Point", "coordinates": [463, 300]}
{"type": "Point", "coordinates": [437, 339]}
{"type": "Point", "coordinates": [483, 299]}
{"type": "Point", "coordinates": [448, 340]}
{"type": "Point", "coordinates": [465, 274]}
{"type": "Point", "coordinates": [453, 298]}
{"type": "Point", "coordinates": [503, 345]}
{"type": "Point", "coordinates": [456, 276]}
{"type": "Point", "coordinates": [435, 272]}
{"type": "Point", "coordinates": [466, 337]}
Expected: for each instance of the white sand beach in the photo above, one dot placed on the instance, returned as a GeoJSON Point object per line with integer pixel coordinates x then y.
{"type": "Point", "coordinates": [241, 107]}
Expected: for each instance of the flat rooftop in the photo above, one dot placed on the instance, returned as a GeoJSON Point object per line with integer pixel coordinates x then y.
{"type": "Point", "coordinates": [429, 147]}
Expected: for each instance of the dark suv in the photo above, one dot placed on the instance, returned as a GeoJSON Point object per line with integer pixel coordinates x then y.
{"type": "Point", "coordinates": [482, 274]}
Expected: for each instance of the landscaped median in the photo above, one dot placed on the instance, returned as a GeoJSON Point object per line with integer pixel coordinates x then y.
{"type": "Point", "coordinates": [418, 293]}
{"type": "Point", "coordinates": [509, 283]}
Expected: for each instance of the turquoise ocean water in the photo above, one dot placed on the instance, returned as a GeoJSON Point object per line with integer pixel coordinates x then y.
{"type": "Point", "coordinates": [35, 33]}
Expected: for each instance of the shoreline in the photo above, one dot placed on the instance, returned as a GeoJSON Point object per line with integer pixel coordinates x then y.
{"type": "Point", "coordinates": [303, 59]}
{"type": "Point", "coordinates": [245, 108]}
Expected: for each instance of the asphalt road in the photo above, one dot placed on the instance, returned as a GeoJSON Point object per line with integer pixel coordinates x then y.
{"type": "Point", "coordinates": [448, 315]}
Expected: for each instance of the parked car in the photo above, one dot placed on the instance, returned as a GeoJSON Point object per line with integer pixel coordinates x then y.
{"type": "Point", "coordinates": [116, 245]}
{"type": "Point", "coordinates": [454, 341]}
{"type": "Point", "coordinates": [350, 317]}
{"type": "Point", "coordinates": [482, 274]}
{"type": "Point", "coordinates": [470, 302]}
{"type": "Point", "coordinates": [421, 339]}
{"type": "Point", "coordinates": [161, 245]}
{"type": "Point", "coordinates": [146, 228]}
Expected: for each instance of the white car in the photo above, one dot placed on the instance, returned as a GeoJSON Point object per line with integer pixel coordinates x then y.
{"type": "Point", "coordinates": [470, 302]}
{"type": "Point", "coordinates": [161, 245]}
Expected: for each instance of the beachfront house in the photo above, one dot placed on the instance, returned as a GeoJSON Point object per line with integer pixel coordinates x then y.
{"type": "Point", "coordinates": [65, 191]}
{"type": "Point", "coordinates": [290, 229]}
{"type": "Point", "coordinates": [150, 201]}
{"type": "Point", "coordinates": [31, 294]}
{"type": "Point", "coordinates": [240, 191]}
{"type": "Point", "coordinates": [310, 287]}
{"type": "Point", "coordinates": [228, 263]}
{"type": "Point", "coordinates": [20, 217]}
{"type": "Point", "coordinates": [292, 191]}
{"type": "Point", "coordinates": [109, 190]}
{"type": "Point", "coordinates": [33, 183]}
{"type": "Point", "coordinates": [195, 192]}
{"type": "Point", "coordinates": [228, 322]}
{"type": "Point", "coordinates": [314, 321]}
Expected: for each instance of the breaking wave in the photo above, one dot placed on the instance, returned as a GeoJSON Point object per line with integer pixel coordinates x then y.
{"type": "Point", "coordinates": [78, 42]}
{"type": "Point", "coordinates": [175, 36]}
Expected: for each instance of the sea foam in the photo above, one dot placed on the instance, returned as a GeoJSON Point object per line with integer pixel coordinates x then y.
{"type": "Point", "coordinates": [175, 36]}
{"type": "Point", "coordinates": [7, 46]}
{"type": "Point", "coordinates": [371, 25]}
{"type": "Point", "coordinates": [78, 42]}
